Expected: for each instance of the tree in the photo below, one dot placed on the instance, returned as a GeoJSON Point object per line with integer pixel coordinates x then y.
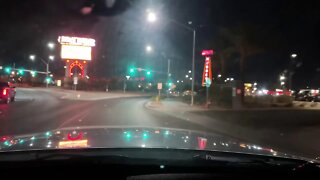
{"type": "Point", "coordinates": [244, 41]}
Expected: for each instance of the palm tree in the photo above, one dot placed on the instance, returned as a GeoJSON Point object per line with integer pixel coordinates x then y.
{"type": "Point", "coordinates": [244, 41]}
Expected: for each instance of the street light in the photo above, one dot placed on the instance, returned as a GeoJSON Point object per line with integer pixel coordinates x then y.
{"type": "Point", "coordinates": [51, 57]}
{"type": "Point", "coordinates": [187, 76]}
{"type": "Point", "coordinates": [32, 57]}
{"type": "Point", "coordinates": [189, 71]}
{"type": "Point", "coordinates": [219, 75]}
{"type": "Point", "coordinates": [148, 48]}
{"type": "Point", "coordinates": [282, 78]}
{"type": "Point", "coordinates": [294, 55]}
{"type": "Point", "coordinates": [152, 17]}
{"type": "Point", "coordinates": [50, 45]}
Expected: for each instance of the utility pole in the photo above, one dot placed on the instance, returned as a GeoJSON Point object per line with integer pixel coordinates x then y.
{"type": "Point", "coordinates": [193, 64]}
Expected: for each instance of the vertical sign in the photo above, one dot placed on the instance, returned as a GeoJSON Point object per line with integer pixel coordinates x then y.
{"type": "Point", "coordinates": [207, 72]}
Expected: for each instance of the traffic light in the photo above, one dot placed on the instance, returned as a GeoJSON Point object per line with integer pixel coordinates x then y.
{"type": "Point", "coordinates": [33, 73]}
{"type": "Point", "coordinates": [131, 70]}
{"type": "Point", "coordinates": [148, 73]}
{"type": "Point", "coordinates": [21, 71]}
{"type": "Point", "coordinates": [7, 70]}
{"type": "Point", "coordinates": [48, 80]}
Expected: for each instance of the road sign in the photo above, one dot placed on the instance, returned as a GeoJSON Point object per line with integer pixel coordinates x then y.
{"type": "Point", "coordinates": [159, 86]}
{"type": "Point", "coordinates": [208, 82]}
{"type": "Point", "coordinates": [75, 80]}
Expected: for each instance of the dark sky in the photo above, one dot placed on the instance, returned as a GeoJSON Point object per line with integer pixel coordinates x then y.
{"type": "Point", "coordinates": [280, 27]}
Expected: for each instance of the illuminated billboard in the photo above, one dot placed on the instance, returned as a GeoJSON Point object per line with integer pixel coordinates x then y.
{"type": "Point", "coordinates": [76, 52]}
{"type": "Point", "coordinates": [76, 48]}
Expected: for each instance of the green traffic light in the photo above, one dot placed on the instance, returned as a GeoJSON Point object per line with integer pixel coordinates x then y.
{"type": "Point", "coordinates": [131, 70]}
{"type": "Point", "coordinates": [148, 73]}
{"type": "Point", "coordinates": [48, 134]}
{"type": "Point", "coordinates": [21, 72]}
{"type": "Point", "coordinates": [7, 70]}
{"type": "Point", "coordinates": [48, 79]}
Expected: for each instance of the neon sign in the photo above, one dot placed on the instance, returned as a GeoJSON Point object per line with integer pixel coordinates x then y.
{"type": "Point", "coordinates": [76, 41]}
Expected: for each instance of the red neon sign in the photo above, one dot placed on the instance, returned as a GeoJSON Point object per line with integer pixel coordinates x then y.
{"type": "Point", "coordinates": [207, 53]}
{"type": "Point", "coordinates": [207, 71]}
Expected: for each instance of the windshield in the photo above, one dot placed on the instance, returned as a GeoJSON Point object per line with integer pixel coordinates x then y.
{"type": "Point", "coordinates": [225, 73]}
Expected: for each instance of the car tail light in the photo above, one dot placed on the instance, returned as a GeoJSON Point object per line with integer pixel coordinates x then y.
{"type": "Point", "coordinates": [4, 92]}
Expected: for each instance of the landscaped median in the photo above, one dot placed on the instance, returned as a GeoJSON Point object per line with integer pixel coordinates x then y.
{"type": "Point", "coordinates": [268, 101]}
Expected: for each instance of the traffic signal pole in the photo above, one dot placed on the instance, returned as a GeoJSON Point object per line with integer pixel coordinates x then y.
{"type": "Point", "coordinates": [47, 65]}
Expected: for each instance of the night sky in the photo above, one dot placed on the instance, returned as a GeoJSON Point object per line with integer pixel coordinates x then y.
{"type": "Point", "coordinates": [277, 28]}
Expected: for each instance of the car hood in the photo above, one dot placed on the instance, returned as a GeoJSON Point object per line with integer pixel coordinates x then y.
{"type": "Point", "coordinates": [131, 137]}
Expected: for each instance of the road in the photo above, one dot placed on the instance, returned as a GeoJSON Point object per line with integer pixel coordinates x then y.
{"type": "Point", "coordinates": [39, 111]}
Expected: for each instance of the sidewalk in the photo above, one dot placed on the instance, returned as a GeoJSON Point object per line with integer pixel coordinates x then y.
{"type": "Point", "coordinates": [88, 95]}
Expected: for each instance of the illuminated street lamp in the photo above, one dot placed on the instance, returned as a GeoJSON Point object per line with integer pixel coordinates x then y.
{"type": "Point", "coordinates": [32, 57]}
{"type": "Point", "coordinates": [50, 45]}
{"type": "Point", "coordinates": [148, 48]}
{"type": "Point", "coordinates": [189, 71]}
{"type": "Point", "coordinates": [187, 76]}
{"type": "Point", "coordinates": [282, 78]}
{"type": "Point", "coordinates": [219, 75]}
{"type": "Point", "coordinates": [294, 55]}
{"type": "Point", "coordinates": [51, 57]}
{"type": "Point", "coordinates": [151, 17]}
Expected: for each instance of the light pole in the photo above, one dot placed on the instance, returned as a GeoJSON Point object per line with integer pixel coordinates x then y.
{"type": "Point", "coordinates": [291, 69]}
{"type": "Point", "coordinates": [46, 63]}
{"type": "Point", "coordinates": [152, 17]}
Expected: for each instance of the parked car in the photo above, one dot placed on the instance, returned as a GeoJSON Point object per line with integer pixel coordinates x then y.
{"type": "Point", "coordinates": [8, 92]}
{"type": "Point", "coordinates": [304, 95]}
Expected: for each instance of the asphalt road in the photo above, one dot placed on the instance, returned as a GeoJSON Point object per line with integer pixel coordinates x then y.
{"type": "Point", "coordinates": [39, 111]}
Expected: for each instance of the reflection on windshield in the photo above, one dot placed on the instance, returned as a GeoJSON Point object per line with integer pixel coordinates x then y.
{"type": "Point", "coordinates": [129, 138]}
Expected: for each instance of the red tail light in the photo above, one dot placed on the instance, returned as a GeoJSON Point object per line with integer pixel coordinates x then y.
{"type": "Point", "coordinates": [4, 92]}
